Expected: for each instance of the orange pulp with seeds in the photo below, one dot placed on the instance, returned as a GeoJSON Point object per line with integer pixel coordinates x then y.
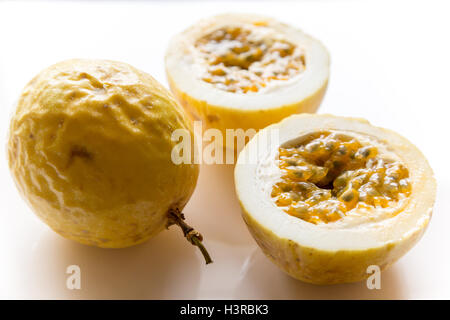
{"type": "Point", "coordinates": [330, 173]}
{"type": "Point", "coordinates": [241, 59]}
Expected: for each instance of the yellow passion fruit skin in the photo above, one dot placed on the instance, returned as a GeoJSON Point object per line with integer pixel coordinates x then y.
{"type": "Point", "coordinates": [90, 150]}
{"type": "Point", "coordinates": [334, 196]}
{"type": "Point", "coordinates": [237, 71]}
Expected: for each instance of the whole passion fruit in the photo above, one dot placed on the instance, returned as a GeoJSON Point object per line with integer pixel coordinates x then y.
{"type": "Point", "coordinates": [90, 150]}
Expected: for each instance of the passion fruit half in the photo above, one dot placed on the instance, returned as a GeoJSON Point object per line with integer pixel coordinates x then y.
{"type": "Point", "coordinates": [333, 196]}
{"type": "Point", "coordinates": [239, 71]}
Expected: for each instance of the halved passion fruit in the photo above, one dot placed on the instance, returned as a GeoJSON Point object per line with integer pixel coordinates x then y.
{"type": "Point", "coordinates": [333, 196]}
{"type": "Point", "coordinates": [237, 71]}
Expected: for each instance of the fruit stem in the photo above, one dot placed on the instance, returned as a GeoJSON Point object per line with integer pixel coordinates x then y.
{"type": "Point", "coordinates": [192, 235]}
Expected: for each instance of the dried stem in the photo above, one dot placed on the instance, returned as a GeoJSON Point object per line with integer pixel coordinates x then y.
{"type": "Point", "coordinates": [193, 236]}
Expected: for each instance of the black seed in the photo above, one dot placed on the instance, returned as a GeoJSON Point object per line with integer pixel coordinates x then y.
{"type": "Point", "coordinates": [342, 150]}
{"type": "Point", "coordinates": [348, 196]}
{"type": "Point", "coordinates": [299, 173]}
{"type": "Point", "coordinates": [312, 147]}
{"type": "Point", "coordinates": [366, 152]}
{"type": "Point", "coordinates": [291, 162]}
{"type": "Point", "coordinates": [340, 182]}
{"type": "Point", "coordinates": [337, 164]}
{"type": "Point", "coordinates": [329, 146]}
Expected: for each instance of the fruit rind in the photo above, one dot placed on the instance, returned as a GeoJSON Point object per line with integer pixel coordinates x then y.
{"type": "Point", "coordinates": [223, 117]}
{"type": "Point", "coordinates": [327, 267]}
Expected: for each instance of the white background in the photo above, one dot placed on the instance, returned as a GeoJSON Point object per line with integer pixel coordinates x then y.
{"type": "Point", "coordinates": [390, 64]}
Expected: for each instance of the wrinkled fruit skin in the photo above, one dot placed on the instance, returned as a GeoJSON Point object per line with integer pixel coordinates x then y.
{"type": "Point", "coordinates": [90, 150]}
